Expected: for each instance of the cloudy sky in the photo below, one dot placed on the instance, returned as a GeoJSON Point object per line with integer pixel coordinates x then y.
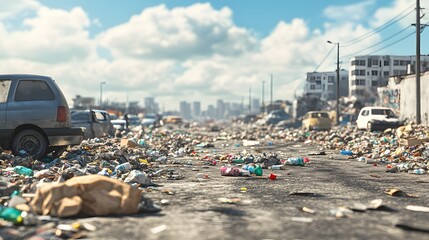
{"type": "Point", "coordinates": [197, 51]}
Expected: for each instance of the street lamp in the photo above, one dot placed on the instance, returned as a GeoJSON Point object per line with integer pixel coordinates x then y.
{"type": "Point", "coordinates": [337, 108]}
{"type": "Point", "coordinates": [101, 93]}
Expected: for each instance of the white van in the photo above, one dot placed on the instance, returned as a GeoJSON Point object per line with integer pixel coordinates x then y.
{"type": "Point", "coordinates": [377, 118]}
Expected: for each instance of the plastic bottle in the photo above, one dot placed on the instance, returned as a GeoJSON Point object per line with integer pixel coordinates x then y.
{"type": "Point", "coordinates": [244, 172]}
{"type": "Point", "coordinates": [299, 161]}
{"type": "Point", "coordinates": [123, 167]}
{"type": "Point", "coordinates": [258, 170]}
{"type": "Point", "coordinates": [229, 171]}
{"type": "Point", "coordinates": [11, 214]}
{"type": "Point", "coordinates": [277, 167]}
{"type": "Point", "coordinates": [249, 168]}
{"type": "Point", "coordinates": [417, 171]}
{"type": "Point", "coordinates": [346, 152]}
{"type": "Point", "coordinates": [23, 171]}
{"type": "Point", "coordinates": [238, 160]}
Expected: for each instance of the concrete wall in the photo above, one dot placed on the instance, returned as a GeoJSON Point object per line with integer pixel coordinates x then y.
{"type": "Point", "coordinates": [424, 90]}
{"type": "Point", "coordinates": [408, 97]}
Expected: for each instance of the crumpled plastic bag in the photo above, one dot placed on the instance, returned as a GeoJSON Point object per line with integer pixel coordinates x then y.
{"type": "Point", "coordinates": [139, 177]}
{"type": "Point", "coordinates": [91, 195]}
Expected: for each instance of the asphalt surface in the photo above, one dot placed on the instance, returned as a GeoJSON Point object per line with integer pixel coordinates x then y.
{"type": "Point", "coordinates": [221, 207]}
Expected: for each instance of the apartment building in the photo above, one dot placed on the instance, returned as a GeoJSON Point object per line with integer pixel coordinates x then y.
{"type": "Point", "coordinates": [324, 86]}
{"type": "Point", "coordinates": [366, 73]}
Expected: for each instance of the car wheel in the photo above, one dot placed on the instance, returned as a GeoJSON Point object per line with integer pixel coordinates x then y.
{"type": "Point", "coordinates": [30, 141]}
{"type": "Point", "coordinates": [369, 127]}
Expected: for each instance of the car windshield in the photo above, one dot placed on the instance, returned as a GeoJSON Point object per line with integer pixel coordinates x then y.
{"type": "Point", "coordinates": [386, 112]}
{"type": "Point", "coordinates": [80, 116]}
{"type": "Point", "coordinates": [320, 115]}
{"type": "Point", "coordinates": [149, 116]}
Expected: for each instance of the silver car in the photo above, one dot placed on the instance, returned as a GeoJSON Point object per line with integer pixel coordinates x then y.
{"type": "Point", "coordinates": [34, 116]}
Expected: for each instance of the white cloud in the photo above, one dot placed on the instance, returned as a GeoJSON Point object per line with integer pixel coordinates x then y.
{"type": "Point", "coordinates": [179, 33]}
{"type": "Point", "coordinates": [17, 8]}
{"type": "Point", "coordinates": [401, 10]}
{"type": "Point", "coordinates": [194, 53]}
{"type": "Point", "coordinates": [52, 36]}
{"type": "Point", "coordinates": [354, 12]}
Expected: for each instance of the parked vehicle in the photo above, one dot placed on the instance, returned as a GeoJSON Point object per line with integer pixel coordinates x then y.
{"type": "Point", "coordinates": [248, 118]}
{"type": "Point", "coordinates": [150, 120]}
{"type": "Point", "coordinates": [377, 118]}
{"type": "Point", "coordinates": [348, 118]}
{"type": "Point", "coordinates": [316, 120]}
{"type": "Point", "coordinates": [173, 119]}
{"type": "Point", "coordinates": [119, 124]}
{"type": "Point", "coordinates": [133, 120]}
{"type": "Point", "coordinates": [290, 123]}
{"type": "Point", "coordinates": [34, 116]}
{"type": "Point", "coordinates": [96, 122]}
{"type": "Point", "coordinates": [274, 117]}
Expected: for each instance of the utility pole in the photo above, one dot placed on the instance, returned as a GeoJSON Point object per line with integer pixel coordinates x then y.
{"type": "Point", "coordinates": [250, 100]}
{"type": "Point", "coordinates": [271, 94]}
{"type": "Point", "coordinates": [101, 94]}
{"type": "Point", "coordinates": [337, 107]}
{"type": "Point", "coordinates": [417, 67]}
{"type": "Point", "coordinates": [242, 105]}
{"type": "Point", "coordinates": [338, 84]}
{"type": "Point", "coordinates": [263, 90]}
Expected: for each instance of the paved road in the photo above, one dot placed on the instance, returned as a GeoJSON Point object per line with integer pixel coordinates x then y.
{"type": "Point", "coordinates": [273, 209]}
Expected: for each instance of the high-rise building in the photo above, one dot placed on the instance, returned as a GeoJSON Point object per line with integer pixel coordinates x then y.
{"type": "Point", "coordinates": [150, 105]}
{"type": "Point", "coordinates": [256, 106]}
{"type": "Point", "coordinates": [196, 109]}
{"type": "Point", "coordinates": [211, 112]}
{"type": "Point", "coordinates": [185, 110]}
{"type": "Point", "coordinates": [220, 109]}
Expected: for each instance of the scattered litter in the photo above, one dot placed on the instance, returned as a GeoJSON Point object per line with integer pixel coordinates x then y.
{"type": "Point", "coordinates": [308, 210]}
{"type": "Point", "coordinates": [417, 208]}
{"type": "Point", "coordinates": [341, 212]}
{"type": "Point", "coordinates": [158, 229]}
{"type": "Point", "coordinates": [301, 219]}
{"type": "Point", "coordinates": [229, 200]}
{"type": "Point", "coordinates": [399, 193]}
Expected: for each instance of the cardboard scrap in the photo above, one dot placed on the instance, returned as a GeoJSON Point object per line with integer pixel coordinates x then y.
{"type": "Point", "coordinates": [91, 195]}
{"type": "Point", "coordinates": [398, 193]}
{"type": "Point", "coordinates": [128, 143]}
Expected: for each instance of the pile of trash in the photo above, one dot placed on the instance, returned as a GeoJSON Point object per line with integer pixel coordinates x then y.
{"type": "Point", "coordinates": [104, 176]}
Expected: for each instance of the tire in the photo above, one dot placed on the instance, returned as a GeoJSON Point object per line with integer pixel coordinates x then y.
{"type": "Point", "coordinates": [32, 142]}
{"type": "Point", "coordinates": [369, 127]}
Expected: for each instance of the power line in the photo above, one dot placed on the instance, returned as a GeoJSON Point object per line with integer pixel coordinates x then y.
{"type": "Point", "coordinates": [409, 35]}
{"type": "Point", "coordinates": [327, 55]}
{"type": "Point", "coordinates": [380, 28]}
{"type": "Point", "coordinates": [378, 43]}
{"type": "Point", "coordinates": [391, 44]}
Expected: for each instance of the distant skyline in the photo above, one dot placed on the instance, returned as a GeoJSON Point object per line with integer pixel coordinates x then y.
{"type": "Point", "coordinates": [183, 50]}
